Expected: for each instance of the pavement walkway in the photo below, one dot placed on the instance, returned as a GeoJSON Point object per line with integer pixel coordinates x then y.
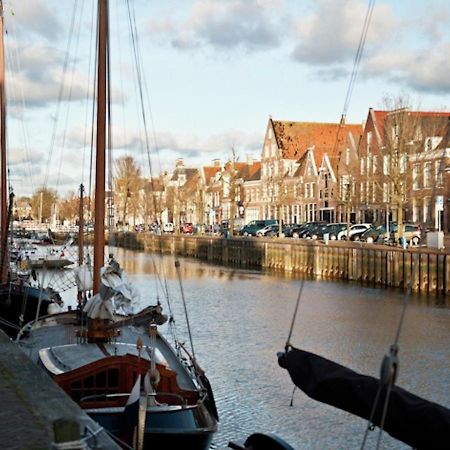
{"type": "Point", "coordinates": [30, 402]}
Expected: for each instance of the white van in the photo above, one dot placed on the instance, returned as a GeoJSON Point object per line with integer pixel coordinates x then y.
{"type": "Point", "coordinates": [168, 227]}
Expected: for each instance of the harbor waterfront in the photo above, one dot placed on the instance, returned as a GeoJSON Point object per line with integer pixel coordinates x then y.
{"type": "Point", "coordinates": [241, 318]}
{"type": "Point", "coordinates": [377, 265]}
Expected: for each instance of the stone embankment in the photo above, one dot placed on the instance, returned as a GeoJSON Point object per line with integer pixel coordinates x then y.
{"type": "Point", "coordinates": [428, 271]}
{"type": "Point", "coordinates": [35, 413]}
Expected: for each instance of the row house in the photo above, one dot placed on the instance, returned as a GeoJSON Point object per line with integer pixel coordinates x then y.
{"type": "Point", "coordinates": [178, 199]}
{"type": "Point", "coordinates": [397, 162]}
{"type": "Point", "coordinates": [235, 176]}
{"type": "Point", "coordinates": [298, 170]}
{"type": "Point", "coordinates": [211, 183]}
{"type": "Point", "coordinates": [403, 167]}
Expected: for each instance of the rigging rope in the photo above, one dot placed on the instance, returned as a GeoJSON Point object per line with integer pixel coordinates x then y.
{"type": "Point", "coordinates": [388, 370]}
{"type": "Point", "coordinates": [60, 94]}
{"type": "Point", "coordinates": [69, 97]}
{"type": "Point", "coordinates": [13, 62]}
{"type": "Point", "coordinates": [177, 266]}
{"type": "Point", "coordinates": [354, 73]}
{"type": "Point", "coordinates": [140, 82]}
{"type": "Point", "coordinates": [288, 340]}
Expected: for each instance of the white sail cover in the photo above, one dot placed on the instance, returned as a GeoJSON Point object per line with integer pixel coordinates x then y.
{"type": "Point", "coordinates": [116, 294]}
{"type": "Point", "coordinates": [83, 278]}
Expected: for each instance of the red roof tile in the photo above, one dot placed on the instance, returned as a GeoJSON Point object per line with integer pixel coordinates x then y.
{"type": "Point", "coordinates": [294, 138]}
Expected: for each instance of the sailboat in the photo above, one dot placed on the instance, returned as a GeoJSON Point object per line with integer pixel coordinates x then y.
{"type": "Point", "coordinates": [115, 364]}
{"type": "Point", "coordinates": [20, 302]}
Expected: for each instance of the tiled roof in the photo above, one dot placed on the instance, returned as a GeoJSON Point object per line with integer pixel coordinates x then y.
{"type": "Point", "coordinates": [192, 181]}
{"type": "Point", "coordinates": [294, 138]}
{"type": "Point", "coordinates": [247, 173]}
{"type": "Point", "coordinates": [210, 172]}
{"type": "Point", "coordinates": [430, 118]}
{"type": "Point", "coordinates": [301, 165]}
{"type": "Point", "coordinates": [187, 172]}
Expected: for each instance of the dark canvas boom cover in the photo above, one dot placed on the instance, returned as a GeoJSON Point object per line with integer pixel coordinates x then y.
{"type": "Point", "coordinates": [417, 422]}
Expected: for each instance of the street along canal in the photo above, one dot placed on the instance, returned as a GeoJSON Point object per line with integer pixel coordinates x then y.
{"type": "Point", "coordinates": [241, 318]}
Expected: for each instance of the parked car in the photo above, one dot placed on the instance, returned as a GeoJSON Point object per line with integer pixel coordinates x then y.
{"type": "Point", "coordinates": [376, 233]}
{"type": "Point", "coordinates": [272, 230]}
{"type": "Point", "coordinates": [332, 229]}
{"type": "Point", "coordinates": [297, 230]}
{"type": "Point", "coordinates": [412, 233]}
{"type": "Point", "coordinates": [355, 229]}
{"type": "Point", "coordinates": [168, 227]}
{"type": "Point", "coordinates": [255, 225]}
{"type": "Point", "coordinates": [187, 228]}
{"type": "Point", "coordinates": [312, 230]}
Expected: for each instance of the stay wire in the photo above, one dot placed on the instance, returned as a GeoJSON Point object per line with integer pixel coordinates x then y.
{"type": "Point", "coordinates": [388, 370]}
{"type": "Point", "coordinates": [69, 97]}
{"type": "Point", "coordinates": [354, 73]}
{"type": "Point", "coordinates": [61, 93]}
{"type": "Point", "coordinates": [140, 80]}
{"type": "Point", "coordinates": [91, 38]}
{"type": "Point", "coordinates": [14, 61]}
{"type": "Point", "coordinates": [288, 340]}
{"type": "Point", "coordinates": [177, 266]}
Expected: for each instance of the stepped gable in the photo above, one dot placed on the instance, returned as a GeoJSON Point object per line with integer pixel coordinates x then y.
{"type": "Point", "coordinates": [294, 138]}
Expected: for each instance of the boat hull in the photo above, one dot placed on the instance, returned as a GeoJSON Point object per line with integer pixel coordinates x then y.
{"type": "Point", "coordinates": [176, 429]}
{"type": "Point", "coordinates": [17, 299]}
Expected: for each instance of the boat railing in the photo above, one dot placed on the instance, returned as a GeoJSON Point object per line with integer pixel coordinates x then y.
{"type": "Point", "coordinates": [152, 394]}
{"type": "Point", "coordinates": [88, 398]}
{"type": "Point", "coordinates": [169, 394]}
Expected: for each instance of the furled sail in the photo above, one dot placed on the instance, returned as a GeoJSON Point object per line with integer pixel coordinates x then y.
{"type": "Point", "coordinates": [116, 294]}
{"type": "Point", "coordinates": [417, 422]}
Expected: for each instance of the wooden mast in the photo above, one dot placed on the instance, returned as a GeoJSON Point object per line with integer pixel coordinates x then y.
{"type": "Point", "coordinates": [81, 238]}
{"type": "Point", "coordinates": [3, 188]}
{"type": "Point", "coordinates": [99, 228]}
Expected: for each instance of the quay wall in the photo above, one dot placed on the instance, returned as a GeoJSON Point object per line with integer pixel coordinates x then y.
{"type": "Point", "coordinates": [376, 265]}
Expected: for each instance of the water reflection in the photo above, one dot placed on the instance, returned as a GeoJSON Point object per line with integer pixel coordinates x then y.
{"type": "Point", "coordinates": [240, 319]}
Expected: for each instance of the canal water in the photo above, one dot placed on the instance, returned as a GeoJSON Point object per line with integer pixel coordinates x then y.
{"type": "Point", "coordinates": [241, 318]}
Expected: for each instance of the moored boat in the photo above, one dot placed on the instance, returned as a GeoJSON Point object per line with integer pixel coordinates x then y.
{"type": "Point", "coordinates": [97, 355]}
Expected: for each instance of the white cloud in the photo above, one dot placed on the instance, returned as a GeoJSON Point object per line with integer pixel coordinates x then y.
{"type": "Point", "coordinates": [331, 34]}
{"type": "Point", "coordinates": [32, 16]}
{"type": "Point", "coordinates": [249, 25]}
{"type": "Point", "coordinates": [34, 74]}
{"type": "Point", "coordinates": [425, 70]}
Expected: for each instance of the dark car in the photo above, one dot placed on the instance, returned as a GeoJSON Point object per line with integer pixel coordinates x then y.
{"type": "Point", "coordinates": [313, 230]}
{"type": "Point", "coordinates": [333, 229]}
{"type": "Point", "coordinates": [297, 230]}
{"type": "Point", "coordinates": [273, 230]}
{"type": "Point", "coordinates": [376, 234]}
{"type": "Point", "coordinates": [254, 226]}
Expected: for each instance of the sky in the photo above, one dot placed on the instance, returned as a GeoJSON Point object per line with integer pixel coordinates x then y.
{"type": "Point", "coordinates": [211, 73]}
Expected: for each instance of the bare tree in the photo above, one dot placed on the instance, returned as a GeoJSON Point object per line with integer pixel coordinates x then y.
{"type": "Point", "coordinates": [407, 140]}
{"type": "Point", "coordinates": [42, 202]}
{"type": "Point", "coordinates": [232, 187]}
{"type": "Point", "coordinates": [128, 184]}
{"type": "Point", "coordinates": [69, 207]}
{"type": "Point", "coordinates": [348, 179]}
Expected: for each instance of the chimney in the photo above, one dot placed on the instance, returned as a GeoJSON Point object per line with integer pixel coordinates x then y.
{"type": "Point", "coordinates": [179, 163]}
{"type": "Point", "coordinates": [249, 160]}
{"type": "Point", "coordinates": [216, 162]}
